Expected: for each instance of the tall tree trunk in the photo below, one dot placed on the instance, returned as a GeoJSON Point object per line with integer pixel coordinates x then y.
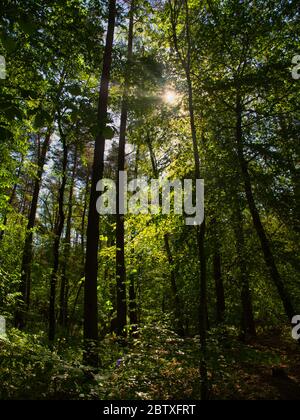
{"type": "Point", "coordinates": [56, 245]}
{"type": "Point", "coordinates": [92, 245]}
{"type": "Point", "coordinates": [265, 245]}
{"type": "Point", "coordinates": [64, 289]}
{"type": "Point", "coordinates": [200, 230]}
{"type": "Point", "coordinates": [247, 321]}
{"type": "Point", "coordinates": [219, 284]}
{"type": "Point", "coordinates": [295, 179]}
{"type": "Point", "coordinates": [25, 285]}
{"type": "Point", "coordinates": [82, 241]}
{"type": "Point", "coordinates": [133, 315]}
{"type": "Point", "coordinates": [217, 270]}
{"type": "Point", "coordinates": [120, 230]}
{"type": "Point", "coordinates": [133, 306]}
{"type": "Point", "coordinates": [203, 314]}
{"type": "Point", "coordinates": [177, 303]}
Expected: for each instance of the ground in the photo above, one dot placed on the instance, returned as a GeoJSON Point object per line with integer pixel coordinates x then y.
{"type": "Point", "coordinates": [157, 364]}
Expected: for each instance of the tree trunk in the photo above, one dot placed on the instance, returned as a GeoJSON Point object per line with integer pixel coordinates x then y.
{"type": "Point", "coordinates": [25, 285]}
{"type": "Point", "coordinates": [133, 317]}
{"type": "Point", "coordinates": [56, 246]}
{"type": "Point", "coordinates": [247, 321]}
{"type": "Point", "coordinates": [219, 285]}
{"type": "Point", "coordinates": [133, 306]}
{"type": "Point", "coordinates": [177, 304]}
{"type": "Point", "coordinates": [200, 230]}
{"type": "Point", "coordinates": [120, 230]}
{"type": "Point", "coordinates": [82, 242]}
{"type": "Point", "coordinates": [64, 289]}
{"type": "Point", "coordinates": [92, 245]}
{"type": "Point", "coordinates": [265, 245]}
{"type": "Point", "coordinates": [203, 313]}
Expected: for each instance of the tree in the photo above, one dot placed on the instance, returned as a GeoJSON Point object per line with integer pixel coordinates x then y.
{"type": "Point", "coordinates": [186, 61]}
{"type": "Point", "coordinates": [92, 245]}
{"type": "Point", "coordinates": [120, 230]}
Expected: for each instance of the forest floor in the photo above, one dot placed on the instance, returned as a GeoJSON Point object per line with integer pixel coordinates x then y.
{"type": "Point", "coordinates": [156, 365]}
{"type": "Point", "coordinates": [268, 368]}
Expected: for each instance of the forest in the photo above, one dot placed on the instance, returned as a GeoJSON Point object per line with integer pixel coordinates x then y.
{"type": "Point", "coordinates": [102, 296]}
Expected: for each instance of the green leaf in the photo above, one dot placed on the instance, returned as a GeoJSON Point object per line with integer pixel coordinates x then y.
{"type": "Point", "coordinates": [74, 90]}
{"type": "Point", "coordinates": [108, 133]}
{"type": "Point", "coordinates": [28, 27]}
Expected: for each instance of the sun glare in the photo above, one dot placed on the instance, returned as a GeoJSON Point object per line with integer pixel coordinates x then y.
{"type": "Point", "coordinates": [170, 97]}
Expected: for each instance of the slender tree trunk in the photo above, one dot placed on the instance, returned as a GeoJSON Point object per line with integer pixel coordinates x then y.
{"type": "Point", "coordinates": [120, 230]}
{"type": "Point", "coordinates": [203, 314]}
{"type": "Point", "coordinates": [92, 246]}
{"type": "Point", "coordinates": [82, 242]}
{"type": "Point", "coordinates": [56, 246]}
{"type": "Point", "coordinates": [217, 270]}
{"type": "Point", "coordinates": [64, 290]}
{"type": "Point", "coordinates": [24, 202]}
{"type": "Point", "coordinates": [265, 245]}
{"type": "Point", "coordinates": [247, 321]}
{"type": "Point", "coordinates": [177, 303]}
{"type": "Point", "coordinates": [133, 306]}
{"type": "Point", "coordinates": [133, 317]}
{"type": "Point", "coordinates": [219, 284]}
{"type": "Point", "coordinates": [152, 157]}
{"type": "Point", "coordinates": [201, 230]}
{"type": "Point", "coordinates": [25, 286]}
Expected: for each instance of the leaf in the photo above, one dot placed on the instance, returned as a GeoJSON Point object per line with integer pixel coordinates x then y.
{"type": "Point", "coordinates": [75, 90]}
{"type": "Point", "coordinates": [42, 119]}
{"type": "Point", "coordinates": [108, 133]}
{"type": "Point", "coordinates": [5, 134]}
{"type": "Point", "coordinates": [28, 27]}
{"type": "Point", "coordinates": [9, 44]}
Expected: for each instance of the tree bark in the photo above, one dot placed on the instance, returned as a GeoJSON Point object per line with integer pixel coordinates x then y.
{"type": "Point", "coordinates": [247, 319]}
{"type": "Point", "coordinates": [56, 245]}
{"type": "Point", "coordinates": [25, 285]}
{"type": "Point", "coordinates": [219, 285]}
{"type": "Point", "coordinates": [133, 305]}
{"type": "Point", "coordinates": [217, 270]}
{"type": "Point", "coordinates": [92, 245]}
{"type": "Point", "coordinates": [82, 242]}
{"type": "Point", "coordinates": [64, 289]}
{"type": "Point", "coordinates": [120, 230]}
{"type": "Point", "coordinates": [200, 230]}
{"type": "Point", "coordinates": [177, 303]}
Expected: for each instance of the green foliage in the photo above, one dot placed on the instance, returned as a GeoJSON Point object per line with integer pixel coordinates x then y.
{"type": "Point", "coordinates": [223, 54]}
